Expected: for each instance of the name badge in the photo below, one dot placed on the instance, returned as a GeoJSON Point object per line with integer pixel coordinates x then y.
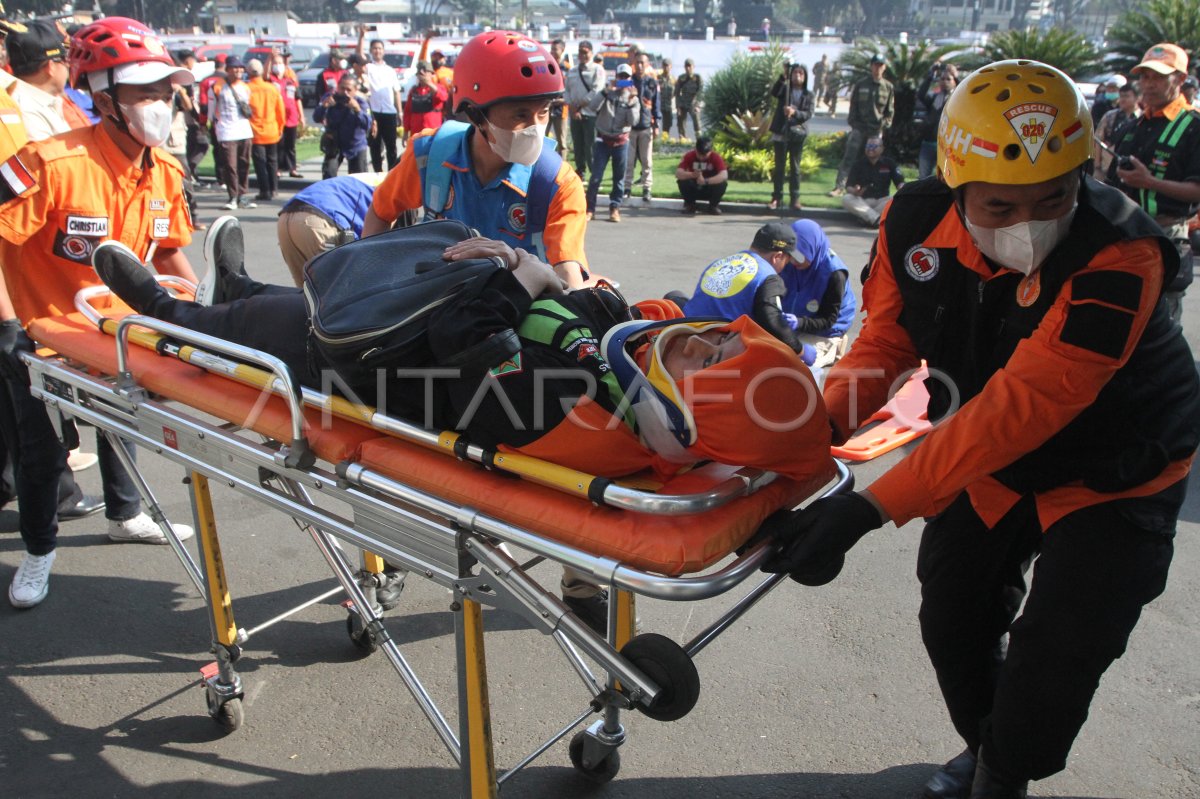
{"type": "Point", "coordinates": [162, 228]}
{"type": "Point", "coordinates": [87, 226]}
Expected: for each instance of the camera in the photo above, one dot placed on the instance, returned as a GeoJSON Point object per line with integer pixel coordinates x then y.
{"type": "Point", "coordinates": [1124, 162]}
{"type": "Point", "coordinates": [371, 27]}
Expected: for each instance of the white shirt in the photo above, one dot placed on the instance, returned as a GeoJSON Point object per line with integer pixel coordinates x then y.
{"type": "Point", "coordinates": [42, 111]}
{"type": "Point", "coordinates": [222, 107]}
{"type": "Point", "coordinates": [382, 85]}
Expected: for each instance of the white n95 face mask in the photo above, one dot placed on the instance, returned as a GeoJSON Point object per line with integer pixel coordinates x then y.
{"type": "Point", "coordinates": [518, 146]}
{"type": "Point", "coordinates": [1021, 247]}
{"type": "Point", "coordinates": [150, 123]}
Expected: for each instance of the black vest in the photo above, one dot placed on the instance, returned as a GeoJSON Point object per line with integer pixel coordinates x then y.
{"type": "Point", "coordinates": [967, 328]}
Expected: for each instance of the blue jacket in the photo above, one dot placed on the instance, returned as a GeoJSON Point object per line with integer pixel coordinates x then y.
{"type": "Point", "coordinates": [350, 128]}
{"type": "Point", "coordinates": [343, 199]}
{"type": "Point", "coordinates": [806, 287]}
{"type": "Point", "coordinates": [728, 285]}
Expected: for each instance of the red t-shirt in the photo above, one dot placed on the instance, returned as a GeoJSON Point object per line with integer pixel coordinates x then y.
{"type": "Point", "coordinates": [710, 163]}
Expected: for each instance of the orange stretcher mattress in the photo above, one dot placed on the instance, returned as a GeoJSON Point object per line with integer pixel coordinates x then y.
{"type": "Point", "coordinates": [669, 545]}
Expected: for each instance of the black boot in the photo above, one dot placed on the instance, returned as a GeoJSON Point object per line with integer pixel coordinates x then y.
{"type": "Point", "coordinates": [129, 279]}
{"type": "Point", "coordinates": [953, 780]}
{"type": "Point", "coordinates": [991, 785]}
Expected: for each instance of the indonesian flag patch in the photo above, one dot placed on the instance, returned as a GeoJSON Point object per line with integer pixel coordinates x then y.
{"type": "Point", "coordinates": [15, 179]}
{"type": "Point", "coordinates": [1032, 123]}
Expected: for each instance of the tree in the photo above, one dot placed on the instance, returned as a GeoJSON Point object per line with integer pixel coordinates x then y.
{"type": "Point", "coordinates": [1065, 50]}
{"type": "Point", "coordinates": [1176, 21]}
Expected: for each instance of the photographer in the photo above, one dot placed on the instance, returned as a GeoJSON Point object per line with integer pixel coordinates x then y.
{"type": "Point", "coordinates": [789, 128]}
{"type": "Point", "coordinates": [616, 109]}
{"type": "Point", "coordinates": [933, 97]}
{"type": "Point", "coordinates": [1158, 157]}
{"type": "Point", "coordinates": [347, 120]}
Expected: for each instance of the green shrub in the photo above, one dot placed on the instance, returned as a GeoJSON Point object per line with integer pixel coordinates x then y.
{"type": "Point", "coordinates": [754, 166]}
{"type": "Point", "coordinates": [746, 131]}
{"type": "Point", "coordinates": [826, 148]}
{"type": "Point", "coordinates": [810, 162]}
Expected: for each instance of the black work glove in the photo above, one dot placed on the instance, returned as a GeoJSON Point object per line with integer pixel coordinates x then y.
{"type": "Point", "coordinates": [13, 341]}
{"type": "Point", "coordinates": [821, 536]}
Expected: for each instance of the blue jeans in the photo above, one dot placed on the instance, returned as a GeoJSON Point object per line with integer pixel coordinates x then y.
{"type": "Point", "coordinates": [927, 159]}
{"type": "Point", "coordinates": [601, 153]}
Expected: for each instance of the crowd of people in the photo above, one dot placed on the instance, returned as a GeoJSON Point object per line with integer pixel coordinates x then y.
{"type": "Point", "coordinates": [1047, 299]}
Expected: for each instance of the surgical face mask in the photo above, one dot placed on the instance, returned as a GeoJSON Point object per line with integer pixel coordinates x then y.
{"type": "Point", "coordinates": [1023, 246]}
{"type": "Point", "coordinates": [1111, 96]}
{"type": "Point", "coordinates": [149, 123]}
{"type": "Point", "coordinates": [518, 146]}
{"type": "Point", "coordinates": [343, 64]}
{"type": "Point", "coordinates": [277, 69]}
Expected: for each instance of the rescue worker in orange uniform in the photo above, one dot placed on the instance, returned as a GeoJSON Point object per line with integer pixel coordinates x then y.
{"type": "Point", "coordinates": [59, 198]}
{"type": "Point", "coordinates": [1036, 296]}
{"type": "Point", "coordinates": [500, 174]}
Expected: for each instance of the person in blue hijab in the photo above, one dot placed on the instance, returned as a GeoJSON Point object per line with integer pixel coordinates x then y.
{"type": "Point", "coordinates": [819, 303]}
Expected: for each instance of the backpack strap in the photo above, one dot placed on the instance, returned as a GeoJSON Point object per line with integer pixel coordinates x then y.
{"type": "Point", "coordinates": [437, 176]}
{"type": "Point", "coordinates": [539, 193]}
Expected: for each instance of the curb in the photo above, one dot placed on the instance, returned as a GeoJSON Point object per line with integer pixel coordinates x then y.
{"type": "Point", "coordinates": [747, 209]}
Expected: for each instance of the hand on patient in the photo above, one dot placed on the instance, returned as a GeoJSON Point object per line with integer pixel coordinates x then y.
{"type": "Point", "coordinates": [821, 536]}
{"type": "Point", "coordinates": [536, 276]}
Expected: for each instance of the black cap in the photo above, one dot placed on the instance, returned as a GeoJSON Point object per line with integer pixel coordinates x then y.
{"type": "Point", "coordinates": [43, 40]}
{"type": "Point", "coordinates": [703, 144]}
{"type": "Point", "coordinates": [878, 59]}
{"type": "Point", "coordinates": [776, 236]}
{"type": "Point", "coordinates": [233, 62]}
{"type": "Point", "coordinates": [7, 25]}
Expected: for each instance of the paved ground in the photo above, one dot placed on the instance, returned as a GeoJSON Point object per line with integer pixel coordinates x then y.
{"type": "Point", "coordinates": [817, 693]}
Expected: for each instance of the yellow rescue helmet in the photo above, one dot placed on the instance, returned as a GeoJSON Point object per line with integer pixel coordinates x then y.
{"type": "Point", "coordinates": [1013, 122]}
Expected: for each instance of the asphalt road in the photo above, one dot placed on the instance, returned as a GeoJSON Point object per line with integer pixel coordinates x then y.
{"type": "Point", "coordinates": [816, 693]}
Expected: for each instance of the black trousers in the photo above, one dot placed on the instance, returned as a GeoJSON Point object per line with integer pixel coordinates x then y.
{"type": "Point", "coordinates": [43, 481]}
{"type": "Point", "coordinates": [692, 192]}
{"type": "Point", "coordinates": [357, 163]}
{"type": "Point", "coordinates": [287, 150]}
{"type": "Point", "coordinates": [265, 158]}
{"type": "Point", "coordinates": [384, 139]}
{"type": "Point", "coordinates": [1095, 569]}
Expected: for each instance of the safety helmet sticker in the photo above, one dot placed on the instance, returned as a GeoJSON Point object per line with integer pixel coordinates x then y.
{"type": "Point", "coordinates": [921, 263]}
{"type": "Point", "coordinates": [1032, 123]}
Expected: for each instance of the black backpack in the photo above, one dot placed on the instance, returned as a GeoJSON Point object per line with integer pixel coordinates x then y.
{"type": "Point", "coordinates": [370, 300]}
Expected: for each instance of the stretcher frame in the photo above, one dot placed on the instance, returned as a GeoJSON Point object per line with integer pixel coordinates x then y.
{"type": "Point", "coordinates": [451, 545]}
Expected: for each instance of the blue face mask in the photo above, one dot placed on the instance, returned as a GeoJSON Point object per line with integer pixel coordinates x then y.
{"type": "Point", "coordinates": [1111, 96]}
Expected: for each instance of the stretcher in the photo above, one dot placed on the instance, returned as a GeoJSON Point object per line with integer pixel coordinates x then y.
{"type": "Point", "coordinates": [430, 504]}
{"type": "Point", "coordinates": [904, 418]}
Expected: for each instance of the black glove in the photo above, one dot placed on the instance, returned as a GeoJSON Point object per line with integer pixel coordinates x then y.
{"type": "Point", "coordinates": [822, 535]}
{"type": "Point", "coordinates": [13, 341]}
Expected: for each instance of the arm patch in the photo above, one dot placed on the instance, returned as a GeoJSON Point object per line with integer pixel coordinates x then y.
{"type": "Point", "coordinates": [1097, 328]}
{"type": "Point", "coordinates": [15, 180]}
{"type": "Point", "coordinates": [1121, 289]}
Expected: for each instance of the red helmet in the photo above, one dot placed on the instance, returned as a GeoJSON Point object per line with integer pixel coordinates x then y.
{"type": "Point", "coordinates": [504, 65]}
{"type": "Point", "coordinates": [113, 42]}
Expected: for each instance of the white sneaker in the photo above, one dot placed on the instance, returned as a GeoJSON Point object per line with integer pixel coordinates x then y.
{"type": "Point", "coordinates": [78, 461]}
{"type": "Point", "coordinates": [141, 529]}
{"type": "Point", "coordinates": [230, 206]}
{"type": "Point", "coordinates": [32, 581]}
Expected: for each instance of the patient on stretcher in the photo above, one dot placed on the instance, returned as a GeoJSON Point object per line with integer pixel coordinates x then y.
{"type": "Point", "coordinates": [595, 385]}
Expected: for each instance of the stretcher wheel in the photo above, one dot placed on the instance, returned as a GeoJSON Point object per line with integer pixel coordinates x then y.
{"type": "Point", "coordinates": [229, 714]}
{"type": "Point", "coordinates": [360, 636]}
{"type": "Point", "coordinates": [600, 772]}
{"type": "Point", "coordinates": [665, 662]}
